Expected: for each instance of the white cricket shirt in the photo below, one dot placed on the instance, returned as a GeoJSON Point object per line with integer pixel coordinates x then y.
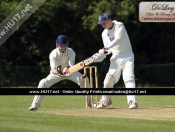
{"type": "Point", "coordinates": [63, 59]}
{"type": "Point", "coordinates": [118, 32]}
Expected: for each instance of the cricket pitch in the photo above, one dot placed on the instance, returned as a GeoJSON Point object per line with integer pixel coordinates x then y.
{"type": "Point", "coordinates": [156, 113]}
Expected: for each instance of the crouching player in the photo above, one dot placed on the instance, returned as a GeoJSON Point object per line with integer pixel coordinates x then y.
{"type": "Point", "coordinates": [61, 58]}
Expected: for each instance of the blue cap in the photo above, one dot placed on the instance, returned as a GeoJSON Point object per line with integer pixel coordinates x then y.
{"type": "Point", "coordinates": [102, 18]}
{"type": "Point", "coordinates": [62, 39]}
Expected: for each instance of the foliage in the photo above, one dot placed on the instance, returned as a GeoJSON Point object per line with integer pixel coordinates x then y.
{"type": "Point", "coordinates": [35, 38]}
{"type": "Point", "coordinates": [32, 42]}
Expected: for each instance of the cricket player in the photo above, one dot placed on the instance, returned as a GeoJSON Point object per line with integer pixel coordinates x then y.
{"type": "Point", "coordinates": [61, 58]}
{"type": "Point", "coordinates": [116, 41]}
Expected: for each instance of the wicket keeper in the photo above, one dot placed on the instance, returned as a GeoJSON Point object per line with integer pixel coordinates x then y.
{"type": "Point", "coordinates": [61, 58]}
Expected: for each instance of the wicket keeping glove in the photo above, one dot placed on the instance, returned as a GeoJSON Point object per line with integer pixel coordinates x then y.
{"type": "Point", "coordinates": [83, 76]}
{"type": "Point", "coordinates": [59, 72]}
{"type": "Point", "coordinates": [66, 71]}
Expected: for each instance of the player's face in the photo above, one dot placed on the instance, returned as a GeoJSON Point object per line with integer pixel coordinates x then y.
{"type": "Point", "coordinates": [62, 47]}
{"type": "Point", "coordinates": [106, 24]}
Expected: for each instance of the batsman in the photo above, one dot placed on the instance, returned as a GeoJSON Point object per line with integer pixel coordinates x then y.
{"type": "Point", "coordinates": [116, 41]}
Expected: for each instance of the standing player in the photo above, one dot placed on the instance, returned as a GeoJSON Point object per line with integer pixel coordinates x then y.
{"type": "Point", "coordinates": [60, 59]}
{"type": "Point", "coordinates": [116, 41]}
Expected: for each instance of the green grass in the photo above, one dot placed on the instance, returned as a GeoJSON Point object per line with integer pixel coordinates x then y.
{"type": "Point", "coordinates": [15, 117]}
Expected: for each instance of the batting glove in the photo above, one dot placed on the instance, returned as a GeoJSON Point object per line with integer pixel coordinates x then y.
{"type": "Point", "coordinates": [98, 57]}
{"type": "Point", "coordinates": [103, 50]}
{"type": "Point", "coordinates": [66, 71]}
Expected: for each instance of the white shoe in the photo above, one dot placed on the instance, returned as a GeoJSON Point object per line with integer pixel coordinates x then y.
{"type": "Point", "coordinates": [33, 108]}
{"type": "Point", "coordinates": [102, 106]}
{"type": "Point", "coordinates": [90, 106]}
{"type": "Point", "coordinates": [133, 105]}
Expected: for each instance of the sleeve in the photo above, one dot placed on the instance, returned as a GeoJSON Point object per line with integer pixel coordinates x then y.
{"type": "Point", "coordinates": [52, 58]}
{"type": "Point", "coordinates": [71, 60]}
{"type": "Point", "coordinates": [118, 33]}
{"type": "Point", "coordinates": [104, 38]}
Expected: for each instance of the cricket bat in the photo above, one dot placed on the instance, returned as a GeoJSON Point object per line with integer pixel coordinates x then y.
{"type": "Point", "coordinates": [80, 65]}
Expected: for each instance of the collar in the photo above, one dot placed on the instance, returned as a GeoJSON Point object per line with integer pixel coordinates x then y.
{"type": "Point", "coordinates": [59, 53]}
{"type": "Point", "coordinates": [112, 26]}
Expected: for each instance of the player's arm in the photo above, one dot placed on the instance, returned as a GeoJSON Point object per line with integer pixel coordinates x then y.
{"type": "Point", "coordinates": [54, 69]}
{"type": "Point", "coordinates": [71, 58]}
{"type": "Point", "coordinates": [57, 71]}
{"type": "Point", "coordinates": [118, 33]}
{"type": "Point", "coordinates": [108, 51]}
{"type": "Point", "coordinates": [71, 62]}
{"type": "Point", "coordinates": [52, 59]}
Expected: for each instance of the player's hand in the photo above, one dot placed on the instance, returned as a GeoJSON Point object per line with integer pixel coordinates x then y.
{"type": "Point", "coordinates": [83, 76]}
{"type": "Point", "coordinates": [66, 71]}
{"type": "Point", "coordinates": [95, 57]}
{"type": "Point", "coordinates": [103, 50]}
{"type": "Point", "coordinates": [59, 72]}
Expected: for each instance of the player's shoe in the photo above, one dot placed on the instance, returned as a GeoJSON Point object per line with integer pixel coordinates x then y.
{"type": "Point", "coordinates": [133, 105]}
{"type": "Point", "coordinates": [101, 105]}
{"type": "Point", "coordinates": [33, 108]}
{"type": "Point", "coordinates": [90, 106]}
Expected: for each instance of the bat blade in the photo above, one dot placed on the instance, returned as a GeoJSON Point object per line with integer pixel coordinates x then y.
{"type": "Point", "coordinates": [80, 65]}
{"type": "Point", "coordinates": [76, 67]}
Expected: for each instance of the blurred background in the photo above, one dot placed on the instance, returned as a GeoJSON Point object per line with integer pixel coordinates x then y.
{"type": "Point", "coordinates": [24, 56]}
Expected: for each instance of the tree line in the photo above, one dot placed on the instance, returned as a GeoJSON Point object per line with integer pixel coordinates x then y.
{"type": "Point", "coordinates": [31, 43]}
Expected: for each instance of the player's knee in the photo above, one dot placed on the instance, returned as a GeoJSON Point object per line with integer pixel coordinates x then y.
{"type": "Point", "coordinates": [42, 84]}
{"type": "Point", "coordinates": [127, 79]}
{"type": "Point", "coordinates": [109, 81]}
{"type": "Point", "coordinates": [129, 82]}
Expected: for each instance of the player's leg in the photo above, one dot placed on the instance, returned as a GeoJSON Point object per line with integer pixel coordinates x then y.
{"type": "Point", "coordinates": [44, 83]}
{"type": "Point", "coordinates": [77, 78]}
{"type": "Point", "coordinates": [129, 80]}
{"type": "Point", "coordinates": [111, 78]}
